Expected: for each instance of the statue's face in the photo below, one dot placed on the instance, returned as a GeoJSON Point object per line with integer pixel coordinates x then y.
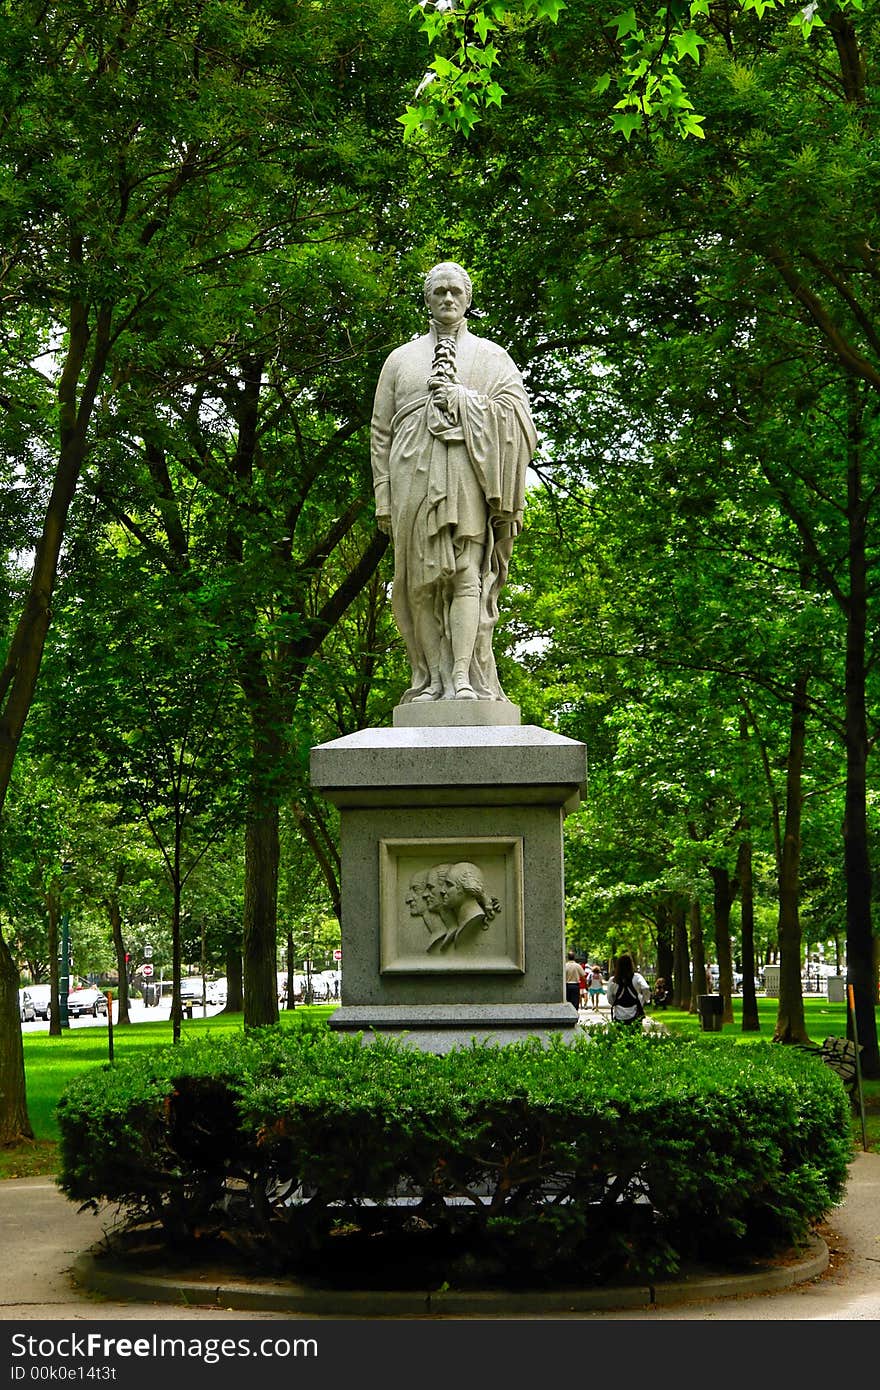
{"type": "Point", "coordinates": [452, 893]}
{"type": "Point", "coordinates": [432, 895]}
{"type": "Point", "coordinates": [447, 299]}
{"type": "Point", "coordinates": [413, 897]}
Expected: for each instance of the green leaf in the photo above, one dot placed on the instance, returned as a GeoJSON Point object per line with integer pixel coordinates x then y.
{"type": "Point", "coordinates": [688, 43]}
{"type": "Point", "coordinates": [625, 122]}
{"type": "Point", "coordinates": [484, 25]}
{"type": "Point", "coordinates": [444, 68]}
{"type": "Point", "coordinates": [415, 120]}
{"type": "Point", "coordinates": [626, 22]}
{"type": "Point", "coordinates": [549, 9]}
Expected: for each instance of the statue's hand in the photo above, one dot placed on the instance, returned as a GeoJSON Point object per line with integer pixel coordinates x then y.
{"type": "Point", "coordinates": [444, 393]}
{"type": "Point", "coordinates": [505, 530]}
{"type": "Point", "coordinates": [384, 524]}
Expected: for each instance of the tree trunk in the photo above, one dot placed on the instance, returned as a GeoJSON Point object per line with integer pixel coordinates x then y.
{"type": "Point", "coordinates": [18, 677]}
{"type": "Point", "coordinates": [859, 933]}
{"type": "Point", "coordinates": [54, 910]}
{"type": "Point", "coordinates": [724, 891]}
{"type": "Point", "coordinates": [262, 850]}
{"type": "Point", "coordinates": [681, 967]}
{"type": "Point", "coordinates": [698, 955]}
{"type": "Point", "coordinates": [750, 1021]}
{"type": "Point", "coordinates": [234, 981]}
{"type": "Point", "coordinates": [790, 1023]}
{"type": "Point", "coordinates": [664, 919]}
{"type": "Point", "coordinates": [290, 994]}
{"type": "Point", "coordinates": [115, 914]}
{"type": "Point", "coordinates": [14, 1123]}
{"type": "Point", "coordinates": [176, 959]}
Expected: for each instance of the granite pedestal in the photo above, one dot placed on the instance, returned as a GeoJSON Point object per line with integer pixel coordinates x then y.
{"type": "Point", "coordinates": [453, 919]}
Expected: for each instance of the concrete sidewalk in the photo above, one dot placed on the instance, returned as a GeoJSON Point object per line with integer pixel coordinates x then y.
{"type": "Point", "coordinates": [46, 1241]}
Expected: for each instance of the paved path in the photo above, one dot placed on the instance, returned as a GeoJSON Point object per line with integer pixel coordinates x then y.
{"type": "Point", "coordinates": [41, 1234]}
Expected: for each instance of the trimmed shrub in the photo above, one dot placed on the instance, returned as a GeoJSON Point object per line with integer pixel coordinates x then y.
{"type": "Point", "coordinates": [622, 1155]}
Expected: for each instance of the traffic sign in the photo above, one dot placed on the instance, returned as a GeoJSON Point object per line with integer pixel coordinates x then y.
{"type": "Point", "coordinates": [148, 951]}
{"type": "Point", "coordinates": [146, 970]}
{"type": "Point", "coordinates": [337, 954]}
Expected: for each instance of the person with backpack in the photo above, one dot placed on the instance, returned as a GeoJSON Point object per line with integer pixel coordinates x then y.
{"type": "Point", "coordinates": [627, 992]}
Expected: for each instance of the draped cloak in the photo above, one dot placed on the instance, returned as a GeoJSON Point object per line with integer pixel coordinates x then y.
{"type": "Point", "coordinates": [444, 479]}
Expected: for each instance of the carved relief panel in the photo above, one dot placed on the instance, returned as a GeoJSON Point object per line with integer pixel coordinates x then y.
{"type": "Point", "coordinates": [451, 906]}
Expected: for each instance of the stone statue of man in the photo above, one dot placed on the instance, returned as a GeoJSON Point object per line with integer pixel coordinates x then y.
{"type": "Point", "coordinates": [452, 437]}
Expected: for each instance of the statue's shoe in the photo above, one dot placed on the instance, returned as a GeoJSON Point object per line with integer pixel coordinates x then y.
{"type": "Point", "coordinates": [433, 692]}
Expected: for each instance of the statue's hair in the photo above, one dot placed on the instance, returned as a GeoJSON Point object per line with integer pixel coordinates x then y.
{"type": "Point", "coordinates": [443, 268]}
{"type": "Point", "coordinates": [469, 878]}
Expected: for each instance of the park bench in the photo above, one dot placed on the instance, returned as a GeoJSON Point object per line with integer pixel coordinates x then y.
{"type": "Point", "coordinates": [840, 1055]}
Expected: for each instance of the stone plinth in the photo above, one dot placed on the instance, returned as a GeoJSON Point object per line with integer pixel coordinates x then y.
{"type": "Point", "coordinates": [452, 879]}
{"type": "Point", "coordinates": [437, 714]}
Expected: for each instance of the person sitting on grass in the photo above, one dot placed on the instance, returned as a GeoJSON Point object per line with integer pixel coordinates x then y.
{"type": "Point", "coordinates": [661, 994]}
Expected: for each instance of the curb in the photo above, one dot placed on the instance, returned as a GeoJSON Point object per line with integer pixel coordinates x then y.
{"type": "Point", "coordinates": [103, 1275]}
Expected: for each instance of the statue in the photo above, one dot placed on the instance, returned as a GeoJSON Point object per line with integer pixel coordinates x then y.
{"type": "Point", "coordinates": [452, 437]}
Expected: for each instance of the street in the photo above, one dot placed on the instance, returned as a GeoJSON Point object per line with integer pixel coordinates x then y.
{"type": "Point", "coordinates": [137, 1012]}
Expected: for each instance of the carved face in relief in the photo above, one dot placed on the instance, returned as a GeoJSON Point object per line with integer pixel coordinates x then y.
{"type": "Point", "coordinates": [434, 881]}
{"type": "Point", "coordinates": [464, 895]}
{"type": "Point", "coordinates": [414, 896]}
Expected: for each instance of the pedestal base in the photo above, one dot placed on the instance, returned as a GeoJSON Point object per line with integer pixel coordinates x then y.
{"type": "Point", "coordinates": [453, 908]}
{"type": "Point", "coordinates": [455, 714]}
{"type": "Point", "coordinates": [441, 1027]}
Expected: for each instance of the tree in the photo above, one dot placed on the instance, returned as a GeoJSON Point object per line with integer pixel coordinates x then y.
{"type": "Point", "coordinates": [744, 264]}
{"type": "Point", "coordinates": [149, 159]}
{"type": "Point", "coordinates": [644, 50]}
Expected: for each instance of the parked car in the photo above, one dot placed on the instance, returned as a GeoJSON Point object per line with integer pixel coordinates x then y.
{"type": "Point", "coordinates": [217, 991]}
{"type": "Point", "coordinates": [26, 1006]}
{"type": "Point", "coordinates": [41, 998]}
{"type": "Point", "coordinates": [191, 991]}
{"type": "Point", "coordinates": [86, 1001]}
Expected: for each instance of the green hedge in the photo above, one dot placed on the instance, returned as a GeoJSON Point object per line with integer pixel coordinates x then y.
{"type": "Point", "coordinates": [622, 1155]}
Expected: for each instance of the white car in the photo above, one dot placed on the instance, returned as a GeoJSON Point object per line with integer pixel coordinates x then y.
{"type": "Point", "coordinates": [216, 991]}
{"type": "Point", "coordinates": [26, 1007]}
{"type": "Point", "coordinates": [41, 998]}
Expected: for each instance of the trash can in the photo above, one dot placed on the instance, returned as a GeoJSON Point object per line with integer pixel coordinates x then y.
{"type": "Point", "coordinates": [711, 1010]}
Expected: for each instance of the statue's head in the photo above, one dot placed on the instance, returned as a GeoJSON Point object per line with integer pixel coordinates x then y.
{"type": "Point", "coordinates": [463, 881]}
{"type": "Point", "coordinates": [414, 895]}
{"type": "Point", "coordinates": [446, 282]}
{"type": "Point", "coordinates": [434, 880]}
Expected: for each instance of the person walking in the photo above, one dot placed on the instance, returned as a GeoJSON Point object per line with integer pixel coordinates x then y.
{"type": "Point", "coordinates": [575, 979]}
{"type": "Point", "coordinates": [628, 992]}
{"type": "Point", "coordinates": [595, 985]}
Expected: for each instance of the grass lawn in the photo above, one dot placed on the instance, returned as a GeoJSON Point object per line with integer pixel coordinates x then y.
{"type": "Point", "coordinates": [51, 1062]}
